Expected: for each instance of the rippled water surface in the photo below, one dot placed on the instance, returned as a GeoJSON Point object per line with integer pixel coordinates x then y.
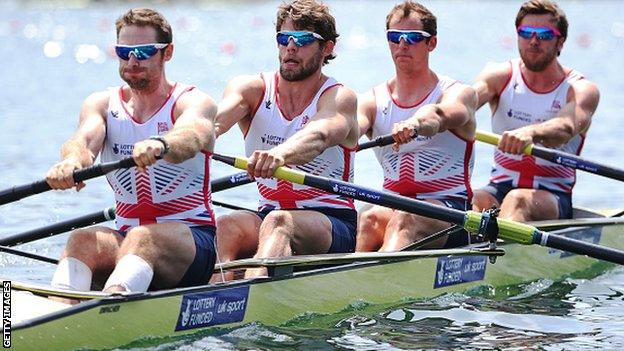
{"type": "Point", "coordinates": [54, 56]}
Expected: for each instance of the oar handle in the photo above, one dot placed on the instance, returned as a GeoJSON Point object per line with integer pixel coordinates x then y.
{"type": "Point", "coordinates": [243, 178]}
{"type": "Point", "coordinates": [21, 191]}
{"type": "Point", "coordinates": [381, 140]}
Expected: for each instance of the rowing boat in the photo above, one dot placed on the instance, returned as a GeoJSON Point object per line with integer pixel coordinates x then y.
{"type": "Point", "coordinates": [328, 285]}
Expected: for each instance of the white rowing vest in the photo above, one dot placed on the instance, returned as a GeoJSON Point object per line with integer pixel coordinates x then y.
{"type": "Point", "coordinates": [166, 192]}
{"type": "Point", "coordinates": [519, 106]}
{"type": "Point", "coordinates": [437, 167]}
{"type": "Point", "coordinates": [270, 128]}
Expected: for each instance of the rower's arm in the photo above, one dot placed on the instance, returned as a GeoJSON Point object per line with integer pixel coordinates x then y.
{"type": "Point", "coordinates": [490, 82]}
{"type": "Point", "coordinates": [366, 111]}
{"type": "Point", "coordinates": [240, 97]}
{"type": "Point", "coordinates": [334, 123]}
{"type": "Point", "coordinates": [456, 109]}
{"type": "Point", "coordinates": [83, 147]}
{"type": "Point", "coordinates": [88, 139]}
{"type": "Point", "coordinates": [573, 118]}
{"type": "Point", "coordinates": [193, 130]}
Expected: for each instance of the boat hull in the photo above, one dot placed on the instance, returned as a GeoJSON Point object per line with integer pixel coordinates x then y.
{"type": "Point", "coordinates": [119, 320]}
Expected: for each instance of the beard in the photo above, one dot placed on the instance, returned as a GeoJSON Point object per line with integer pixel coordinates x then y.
{"type": "Point", "coordinates": [538, 65]}
{"type": "Point", "coordinates": [306, 69]}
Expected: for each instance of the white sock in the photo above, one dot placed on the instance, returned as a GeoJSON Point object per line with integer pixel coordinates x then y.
{"type": "Point", "coordinates": [72, 274]}
{"type": "Point", "coordinates": [132, 273]}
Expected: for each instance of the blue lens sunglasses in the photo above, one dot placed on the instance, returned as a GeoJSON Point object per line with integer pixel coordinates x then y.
{"type": "Point", "coordinates": [141, 52]}
{"type": "Point", "coordinates": [300, 38]}
{"type": "Point", "coordinates": [411, 37]}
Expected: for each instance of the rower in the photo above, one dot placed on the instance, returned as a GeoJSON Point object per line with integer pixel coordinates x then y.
{"type": "Point", "coordinates": [436, 165]}
{"type": "Point", "coordinates": [534, 99]}
{"type": "Point", "coordinates": [301, 118]}
{"type": "Point", "coordinates": [165, 223]}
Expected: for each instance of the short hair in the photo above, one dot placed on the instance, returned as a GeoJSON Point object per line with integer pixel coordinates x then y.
{"type": "Point", "coordinates": [406, 8]}
{"type": "Point", "coordinates": [541, 7]}
{"type": "Point", "coordinates": [144, 17]}
{"type": "Point", "coordinates": [309, 15]}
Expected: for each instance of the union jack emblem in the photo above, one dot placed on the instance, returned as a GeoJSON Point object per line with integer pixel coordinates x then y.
{"type": "Point", "coordinates": [162, 128]}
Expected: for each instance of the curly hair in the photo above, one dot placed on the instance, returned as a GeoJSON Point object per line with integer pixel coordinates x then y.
{"type": "Point", "coordinates": [541, 7]}
{"type": "Point", "coordinates": [144, 17]}
{"type": "Point", "coordinates": [309, 15]}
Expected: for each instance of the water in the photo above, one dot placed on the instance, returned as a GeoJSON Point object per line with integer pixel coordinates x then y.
{"type": "Point", "coordinates": [54, 56]}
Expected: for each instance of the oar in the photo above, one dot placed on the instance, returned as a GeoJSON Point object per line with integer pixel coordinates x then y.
{"type": "Point", "coordinates": [28, 254]}
{"type": "Point", "coordinates": [242, 178]}
{"type": "Point", "coordinates": [60, 227]}
{"type": "Point", "coordinates": [21, 191]}
{"type": "Point", "coordinates": [559, 157]}
{"type": "Point", "coordinates": [470, 220]}
{"type": "Point", "coordinates": [108, 214]}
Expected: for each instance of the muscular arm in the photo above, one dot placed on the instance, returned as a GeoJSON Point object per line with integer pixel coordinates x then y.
{"type": "Point", "coordinates": [455, 110]}
{"type": "Point", "coordinates": [366, 110]}
{"type": "Point", "coordinates": [192, 132]}
{"type": "Point", "coordinates": [334, 123]}
{"type": "Point", "coordinates": [83, 147]}
{"type": "Point", "coordinates": [573, 119]}
{"type": "Point", "coordinates": [240, 97]}
{"type": "Point", "coordinates": [490, 82]}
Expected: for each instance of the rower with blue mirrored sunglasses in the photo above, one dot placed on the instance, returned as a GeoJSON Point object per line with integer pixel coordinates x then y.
{"type": "Point", "coordinates": [141, 52]}
{"type": "Point", "coordinates": [541, 33]}
{"type": "Point", "coordinates": [411, 37]}
{"type": "Point", "coordinates": [300, 38]}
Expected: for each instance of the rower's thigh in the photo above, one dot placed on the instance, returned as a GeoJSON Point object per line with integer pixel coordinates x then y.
{"type": "Point", "coordinates": [309, 232]}
{"type": "Point", "coordinates": [96, 246]}
{"type": "Point", "coordinates": [530, 205]}
{"type": "Point", "coordinates": [371, 227]}
{"type": "Point", "coordinates": [237, 235]}
{"type": "Point", "coordinates": [168, 247]}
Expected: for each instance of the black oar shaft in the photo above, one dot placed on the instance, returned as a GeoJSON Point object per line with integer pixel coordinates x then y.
{"type": "Point", "coordinates": [577, 162]}
{"type": "Point", "coordinates": [21, 191]}
{"type": "Point", "coordinates": [579, 247]}
{"type": "Point", "coordinates": [60, 227]}
{"type": "Point", "coordinates": [472, 221]}
{"type": "Point", "coordinates": [28, 255]}
{"type": "Point", "coordinates": [559, 157]}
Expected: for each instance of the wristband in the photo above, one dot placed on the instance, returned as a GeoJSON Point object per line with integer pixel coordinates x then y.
{"type": "Point", "coordinates": [163, 141]}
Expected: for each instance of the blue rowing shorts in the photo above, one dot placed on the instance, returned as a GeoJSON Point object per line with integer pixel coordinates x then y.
{"type": "Point", "coordinates": [344, 226]}
{"type": "Point", "coordinates": [564, 200]}
{"type": "Point", "coordinates": [457, 238]}
{"type": "Point", "coordinates": [201, 268]}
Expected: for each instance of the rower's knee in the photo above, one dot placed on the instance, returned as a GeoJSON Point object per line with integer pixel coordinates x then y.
{"type": "Point", "coordinates": [369, 234]}
{"type": "Point", "coordinates": [235, 238]}
{"type": "Point", "coordinates": [82, 245]}
{"type": "Point", "coordinates": [482, 200]}
{"type": "Point", "coordinates": [278, 220]}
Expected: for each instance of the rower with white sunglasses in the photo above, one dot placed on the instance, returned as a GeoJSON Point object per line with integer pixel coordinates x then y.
{"type": "Point", "coordinates": [165, 226]}
{"type": "Point", "coordinates": [432, 120]}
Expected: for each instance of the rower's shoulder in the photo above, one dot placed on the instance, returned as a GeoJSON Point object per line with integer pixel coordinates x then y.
{"type": "Point", "coordinates": [247, 84]}
{"type": "Point", "coordinates": [495, 71]}
{"type": "Point", "coordinates": [98, 101]}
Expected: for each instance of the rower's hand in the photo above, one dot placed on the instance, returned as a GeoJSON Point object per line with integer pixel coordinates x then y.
{"type": "Point", "coordinates": [263, 163]}
{"type": "Point", "coordinates": [61, 175]}
{"type": "Point", "coordinates": [514, 141]}
{"type": "Point", "coordinates": [146, 153]}
{"type": "Point", "coordinates": [403, 132]}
